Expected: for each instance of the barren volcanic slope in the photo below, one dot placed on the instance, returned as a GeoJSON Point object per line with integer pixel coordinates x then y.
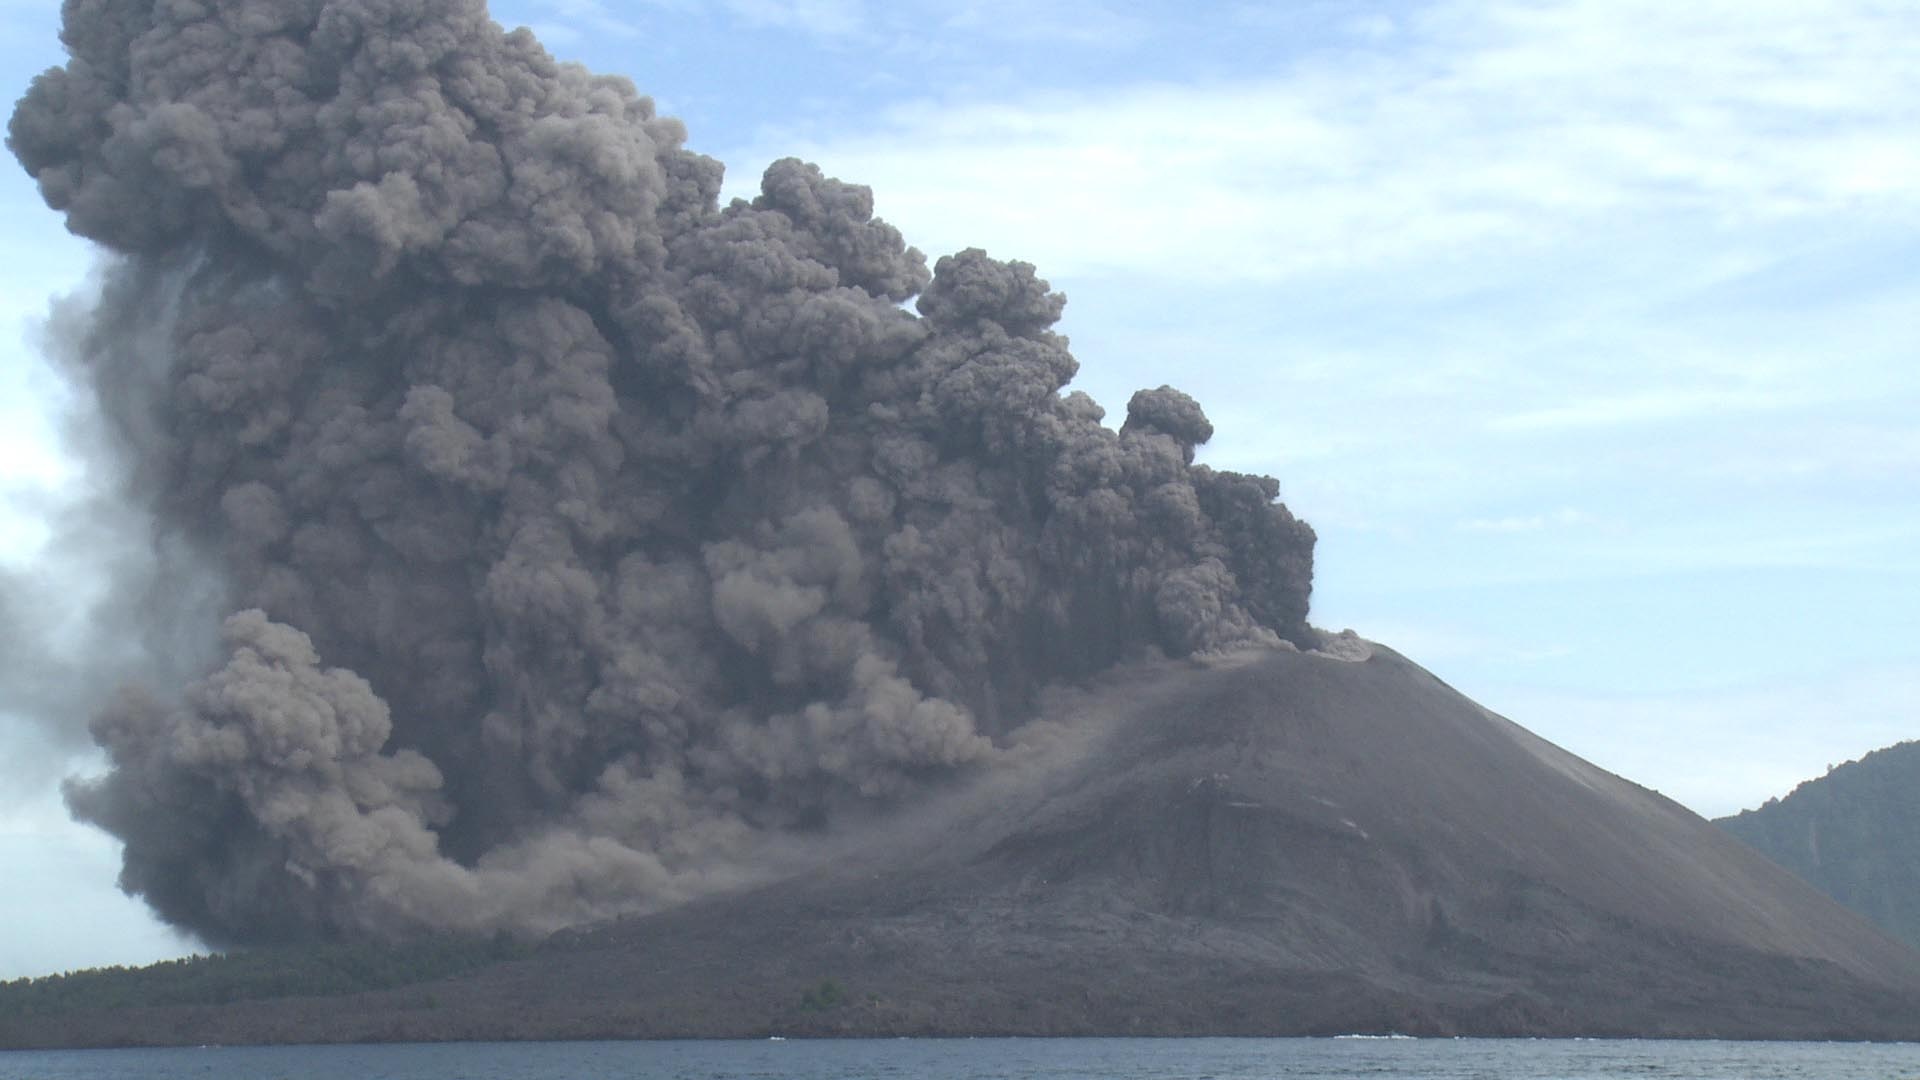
{"type": "Point", "coordinates": [1289, 843]}
{"type": "Point", "coordinates": [1277, 843]}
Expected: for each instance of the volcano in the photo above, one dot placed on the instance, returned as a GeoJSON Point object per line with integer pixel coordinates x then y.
{"type": "Point", "coordinates": [520, 543]}
{"type": "Point", "coordinates": [1268, 843]}
{"type": "Point", "coordinates": [1281, 843]}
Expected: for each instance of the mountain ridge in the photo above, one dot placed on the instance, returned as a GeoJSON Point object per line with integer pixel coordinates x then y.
{"type": "Point", "coordinates": [1853, 833]}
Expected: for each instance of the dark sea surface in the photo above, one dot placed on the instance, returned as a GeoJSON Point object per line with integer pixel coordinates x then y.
{"type": "Point", "coordinates": [996, 1059]}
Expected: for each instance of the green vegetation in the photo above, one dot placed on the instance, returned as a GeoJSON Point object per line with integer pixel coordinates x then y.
{"type": "Point", "coordinates": [288, 971]}
{"type": "Point", "coordinates": [1854, 833]}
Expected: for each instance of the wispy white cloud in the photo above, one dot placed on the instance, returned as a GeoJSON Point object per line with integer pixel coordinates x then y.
{"type": "Point", "coordinates": [596, 16]}
{"type": "Point", "coordinates": [1731, 749]}
{"type": "Point", "coordinates": [1888, 545]}
{"type": "Point", "coordinates": [825, 18]}
{"type": "Point", "coordinates": [918, 27]}
{"type": "Point", "coordinates": [1306, 15]}
{"type": "Point", "coordinates": [1482, 125]}
{"type": "Point", "coordinates": [1825, 452]}
{"type": "Point", "coordinates": [1565, 517]}
{"type": "Point", "coordinates": [1088, 23]}
{"type": "Point", "coordinates": [1644, 407]}
{"type": "Point", "coordinates": [567, 23]}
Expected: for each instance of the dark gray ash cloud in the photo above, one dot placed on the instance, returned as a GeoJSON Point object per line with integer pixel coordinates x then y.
{"type": "Point", "coordinates": [580, 536]}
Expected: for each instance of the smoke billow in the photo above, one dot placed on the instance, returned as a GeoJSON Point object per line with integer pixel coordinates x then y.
{"type": "Point", "coordinates": [577, 532]}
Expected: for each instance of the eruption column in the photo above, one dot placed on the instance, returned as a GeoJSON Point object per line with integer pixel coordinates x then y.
{"type": "Point", "coordinates": [580, 536]}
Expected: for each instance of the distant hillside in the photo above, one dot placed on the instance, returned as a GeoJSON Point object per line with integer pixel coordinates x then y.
{"type": "Point", "coordinates": [1855, 833]}
{"type": "Point", "coordinates": [316, 970]}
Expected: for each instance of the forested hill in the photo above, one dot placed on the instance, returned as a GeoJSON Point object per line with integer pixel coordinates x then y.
{"type": "Point", "coordinates": [1855, 833]}
{"type": "Point", "coordinates": [313, 970]}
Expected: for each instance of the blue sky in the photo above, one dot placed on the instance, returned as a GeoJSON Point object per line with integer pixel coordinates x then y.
{"type": "Point", "coordinates": [1583, 331]}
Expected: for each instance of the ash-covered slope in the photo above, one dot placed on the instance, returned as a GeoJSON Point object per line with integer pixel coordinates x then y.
{"type": "Point", "coordinates": [1854, 833]}
{"type": "Point", "coordinates": [1279, 843]}
{"type": "Point", "coordinates": [1289, 843]}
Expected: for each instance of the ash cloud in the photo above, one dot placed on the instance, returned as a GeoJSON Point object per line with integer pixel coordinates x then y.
{"type": "Point", "coordinates": [578, 539]}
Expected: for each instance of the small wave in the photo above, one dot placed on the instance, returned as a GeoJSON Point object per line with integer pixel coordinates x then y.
{"type": "Point", "coordinates": [1395, 1035]}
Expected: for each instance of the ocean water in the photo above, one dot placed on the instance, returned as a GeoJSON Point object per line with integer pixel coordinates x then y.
{"type": "Point", "coordinates": [995, 1059]}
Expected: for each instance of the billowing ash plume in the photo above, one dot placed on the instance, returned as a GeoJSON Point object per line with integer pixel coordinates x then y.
{"type": "Point", "coordinates": [576, 531]}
